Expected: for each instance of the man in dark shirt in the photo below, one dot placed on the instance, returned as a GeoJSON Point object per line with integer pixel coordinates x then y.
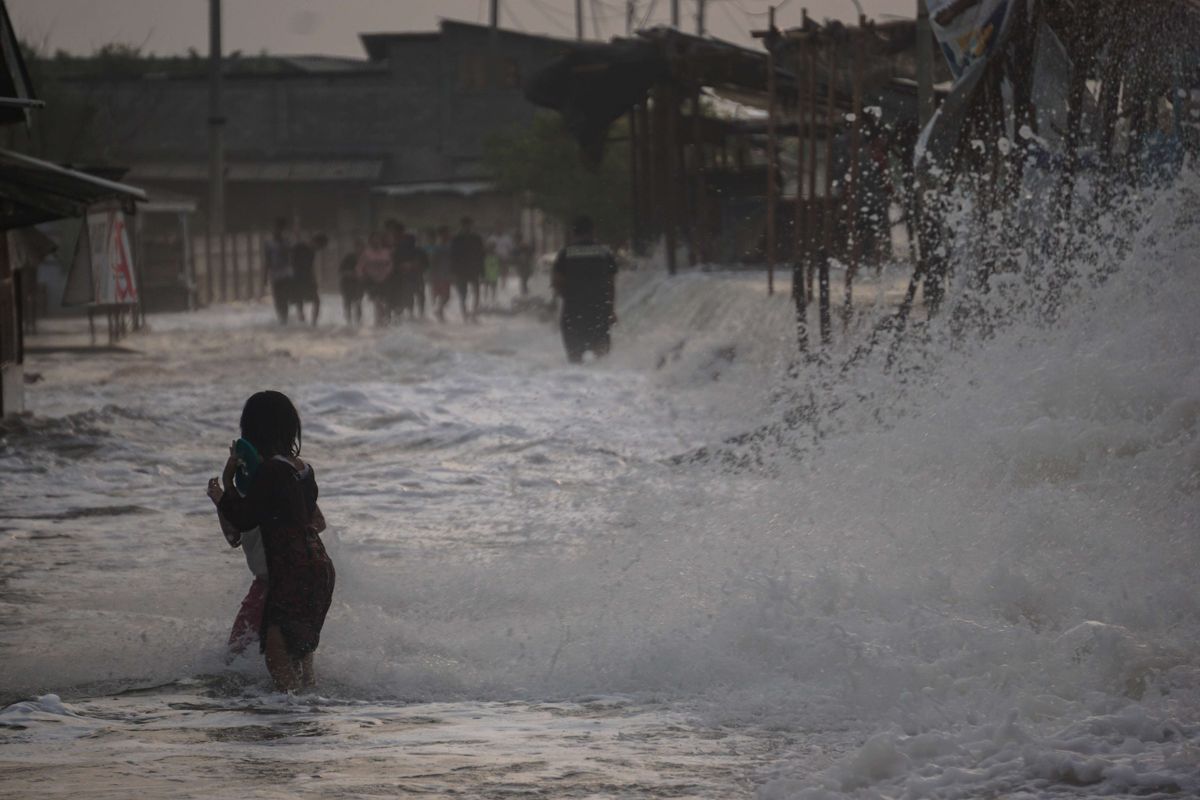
{"type": "Point", "coordinates": [466, 264]}
{"type": "Point", "coordinates": [584, 277]}
{"type": "Point", "coordinates": [277, 269]}
{"type": "Point", "coordinates": [304, 279]}
{"type": "Point", "coordinates": [409, 265]}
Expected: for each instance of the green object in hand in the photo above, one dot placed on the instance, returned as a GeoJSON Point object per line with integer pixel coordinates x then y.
{"type": "Point", "coordinates": [248, 462]}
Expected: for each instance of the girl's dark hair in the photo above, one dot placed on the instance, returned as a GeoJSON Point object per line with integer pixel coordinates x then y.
{"type": "Point", "coordinates": [271, 424]}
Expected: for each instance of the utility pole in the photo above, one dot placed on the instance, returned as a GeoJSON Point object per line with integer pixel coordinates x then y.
{"type": "Point", "coordinates": [699, 17]}
{"type": "Point", "coordinates": [630, 16]}
{"type": "Point", "coordinates": [579, 20]}
{"type": "Point", "coordinates": [675, 14]}
{"type": "Point", "coordinates": [494, 18]}
{"type": "Point", "coordinates": [216, 144]}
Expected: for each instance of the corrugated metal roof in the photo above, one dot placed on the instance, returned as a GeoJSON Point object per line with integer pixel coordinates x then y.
{"type": "Point", "coordinates": [14, 75]}
{"type": "Point", "coordinates": [39, 191]}
{"type": "Point", "coordinates": [315, 170]}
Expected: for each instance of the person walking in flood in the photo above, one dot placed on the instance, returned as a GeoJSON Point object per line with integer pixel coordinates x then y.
{"type": "Point", "coordinates": [585, 277]}
{"type": "Point", "coordinates": [351, 285]}
{"type": "Point", "coordinates": [304, 275]}
{"type": "Point", "coordinates": [409, 262]}
{"type": "Point", "coordinates": [466, 262]}
{"type": "Point", "coordinates": [523, 261]}
{"type": "Point", "coordinates": [441, 273]}
{"type": "Point", "coordinates": [277, 269]}
{"type": "Point", "coordinates": [375, 271]}
{"type": "Point", "coordinates": [265, 486]}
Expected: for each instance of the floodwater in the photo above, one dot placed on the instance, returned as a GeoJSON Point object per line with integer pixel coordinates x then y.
{"type": "Point", "coordinates": [972, 576]}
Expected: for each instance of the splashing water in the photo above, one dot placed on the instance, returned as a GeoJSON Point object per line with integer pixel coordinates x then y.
{"type": "Point", "coordinates": [977, 564]}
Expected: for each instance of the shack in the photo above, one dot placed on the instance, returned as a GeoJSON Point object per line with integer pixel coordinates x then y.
{"type": "Point", "coordinates": [708, 122]}
{"type": "Point", "coordinates": [32, 191]}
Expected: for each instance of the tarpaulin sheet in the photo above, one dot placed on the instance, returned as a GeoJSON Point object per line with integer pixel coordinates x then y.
{"type": "Point", "coordinates": [968, 30]}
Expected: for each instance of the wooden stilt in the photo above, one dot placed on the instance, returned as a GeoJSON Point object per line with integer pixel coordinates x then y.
{"type": "Point", "coordinates": [827, 204]}
{"type": "Point", "coordinates": [810, 227]}
{"type": "Point", "coordinates": [634, 189]}
{"type": "Point", "coordinates": [852, 188]}
{"type": "Point", "coordinates": [698, 162]}
{"type": "Point", "coordinates": [799, 296]}
{"type": "Point", "coordinates": [772, 167]}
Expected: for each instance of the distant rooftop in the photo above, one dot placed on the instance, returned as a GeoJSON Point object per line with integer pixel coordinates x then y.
{"type": "Point", "coordinates": [377, 44]}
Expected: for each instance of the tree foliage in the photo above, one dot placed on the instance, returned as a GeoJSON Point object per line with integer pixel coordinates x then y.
{"type": "Point", "coordinates": [542, 163]}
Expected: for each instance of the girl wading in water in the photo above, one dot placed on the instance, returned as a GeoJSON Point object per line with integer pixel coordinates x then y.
{"type": "Point", "coordinates": [276, 492]}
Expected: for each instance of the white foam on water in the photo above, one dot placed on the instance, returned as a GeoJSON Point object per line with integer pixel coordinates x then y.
{"type": "Point", "coordinates": [978, 564]}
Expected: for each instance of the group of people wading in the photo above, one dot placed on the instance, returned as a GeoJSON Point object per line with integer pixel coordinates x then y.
{"type": "Point", "coordinates": [401, 275]}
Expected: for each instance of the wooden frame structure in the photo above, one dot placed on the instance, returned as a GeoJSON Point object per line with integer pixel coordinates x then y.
{"type": "Point", "coordinates": [833, 68]}
{"type": "Point", "coordinates": [1125, 65]}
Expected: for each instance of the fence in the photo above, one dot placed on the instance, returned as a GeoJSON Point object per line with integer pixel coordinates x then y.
{"type": "Point", "coordinates": [230, 267]}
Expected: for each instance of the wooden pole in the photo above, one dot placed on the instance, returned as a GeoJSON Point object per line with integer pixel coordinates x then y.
{"type": "Point", "coordinates": [827, 217]}
{"type": "Point", "coordinates": [670, 196]}
{"type": "Point", "coordinates": [223, 243]}
{"type": "Point", "coordinates": [237, 270]}
{"type": "Point", "coordinates": [209, 279]}
{"type": "Point", "coordinates": [852, 200]}
{"type": "Point", "coordinates": [216, 125]}
{"type": "Point", "coordinates": [684, 206]}
{"type": "Point", "coordinates": [799, 296]}
{"type": "Point", "coordinates": [645, 172]}
{"type": "Point", "coordinates": [699, 165]}
{"type": "Point", "coordinates": [635, 232]}
{"type": "Point", "coordinates": [772, 189]}
{"type": "Point", "coordinates": [810, 228]}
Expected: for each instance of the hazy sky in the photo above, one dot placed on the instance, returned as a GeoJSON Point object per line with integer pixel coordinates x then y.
{"type": "Point", "coordinates": [332, 26]}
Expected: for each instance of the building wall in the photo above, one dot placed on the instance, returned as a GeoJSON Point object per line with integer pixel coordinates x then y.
{"type": "Point", "coordinates": [490, 211]}
{"type": "Point", "coordinates": [427, 109]}
{"type": "Point", "coordinates": [424, 111]}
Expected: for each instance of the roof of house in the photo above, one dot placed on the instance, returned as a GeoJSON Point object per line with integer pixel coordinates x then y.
{"type": "Point", "coordinates": [292, 170]}
{"type": "Point", "coordinates": [377, 45]}
{"type": "Point", "coordinates": [38, 191]}
{"type": "Point", "coordinates": [16, 89]}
